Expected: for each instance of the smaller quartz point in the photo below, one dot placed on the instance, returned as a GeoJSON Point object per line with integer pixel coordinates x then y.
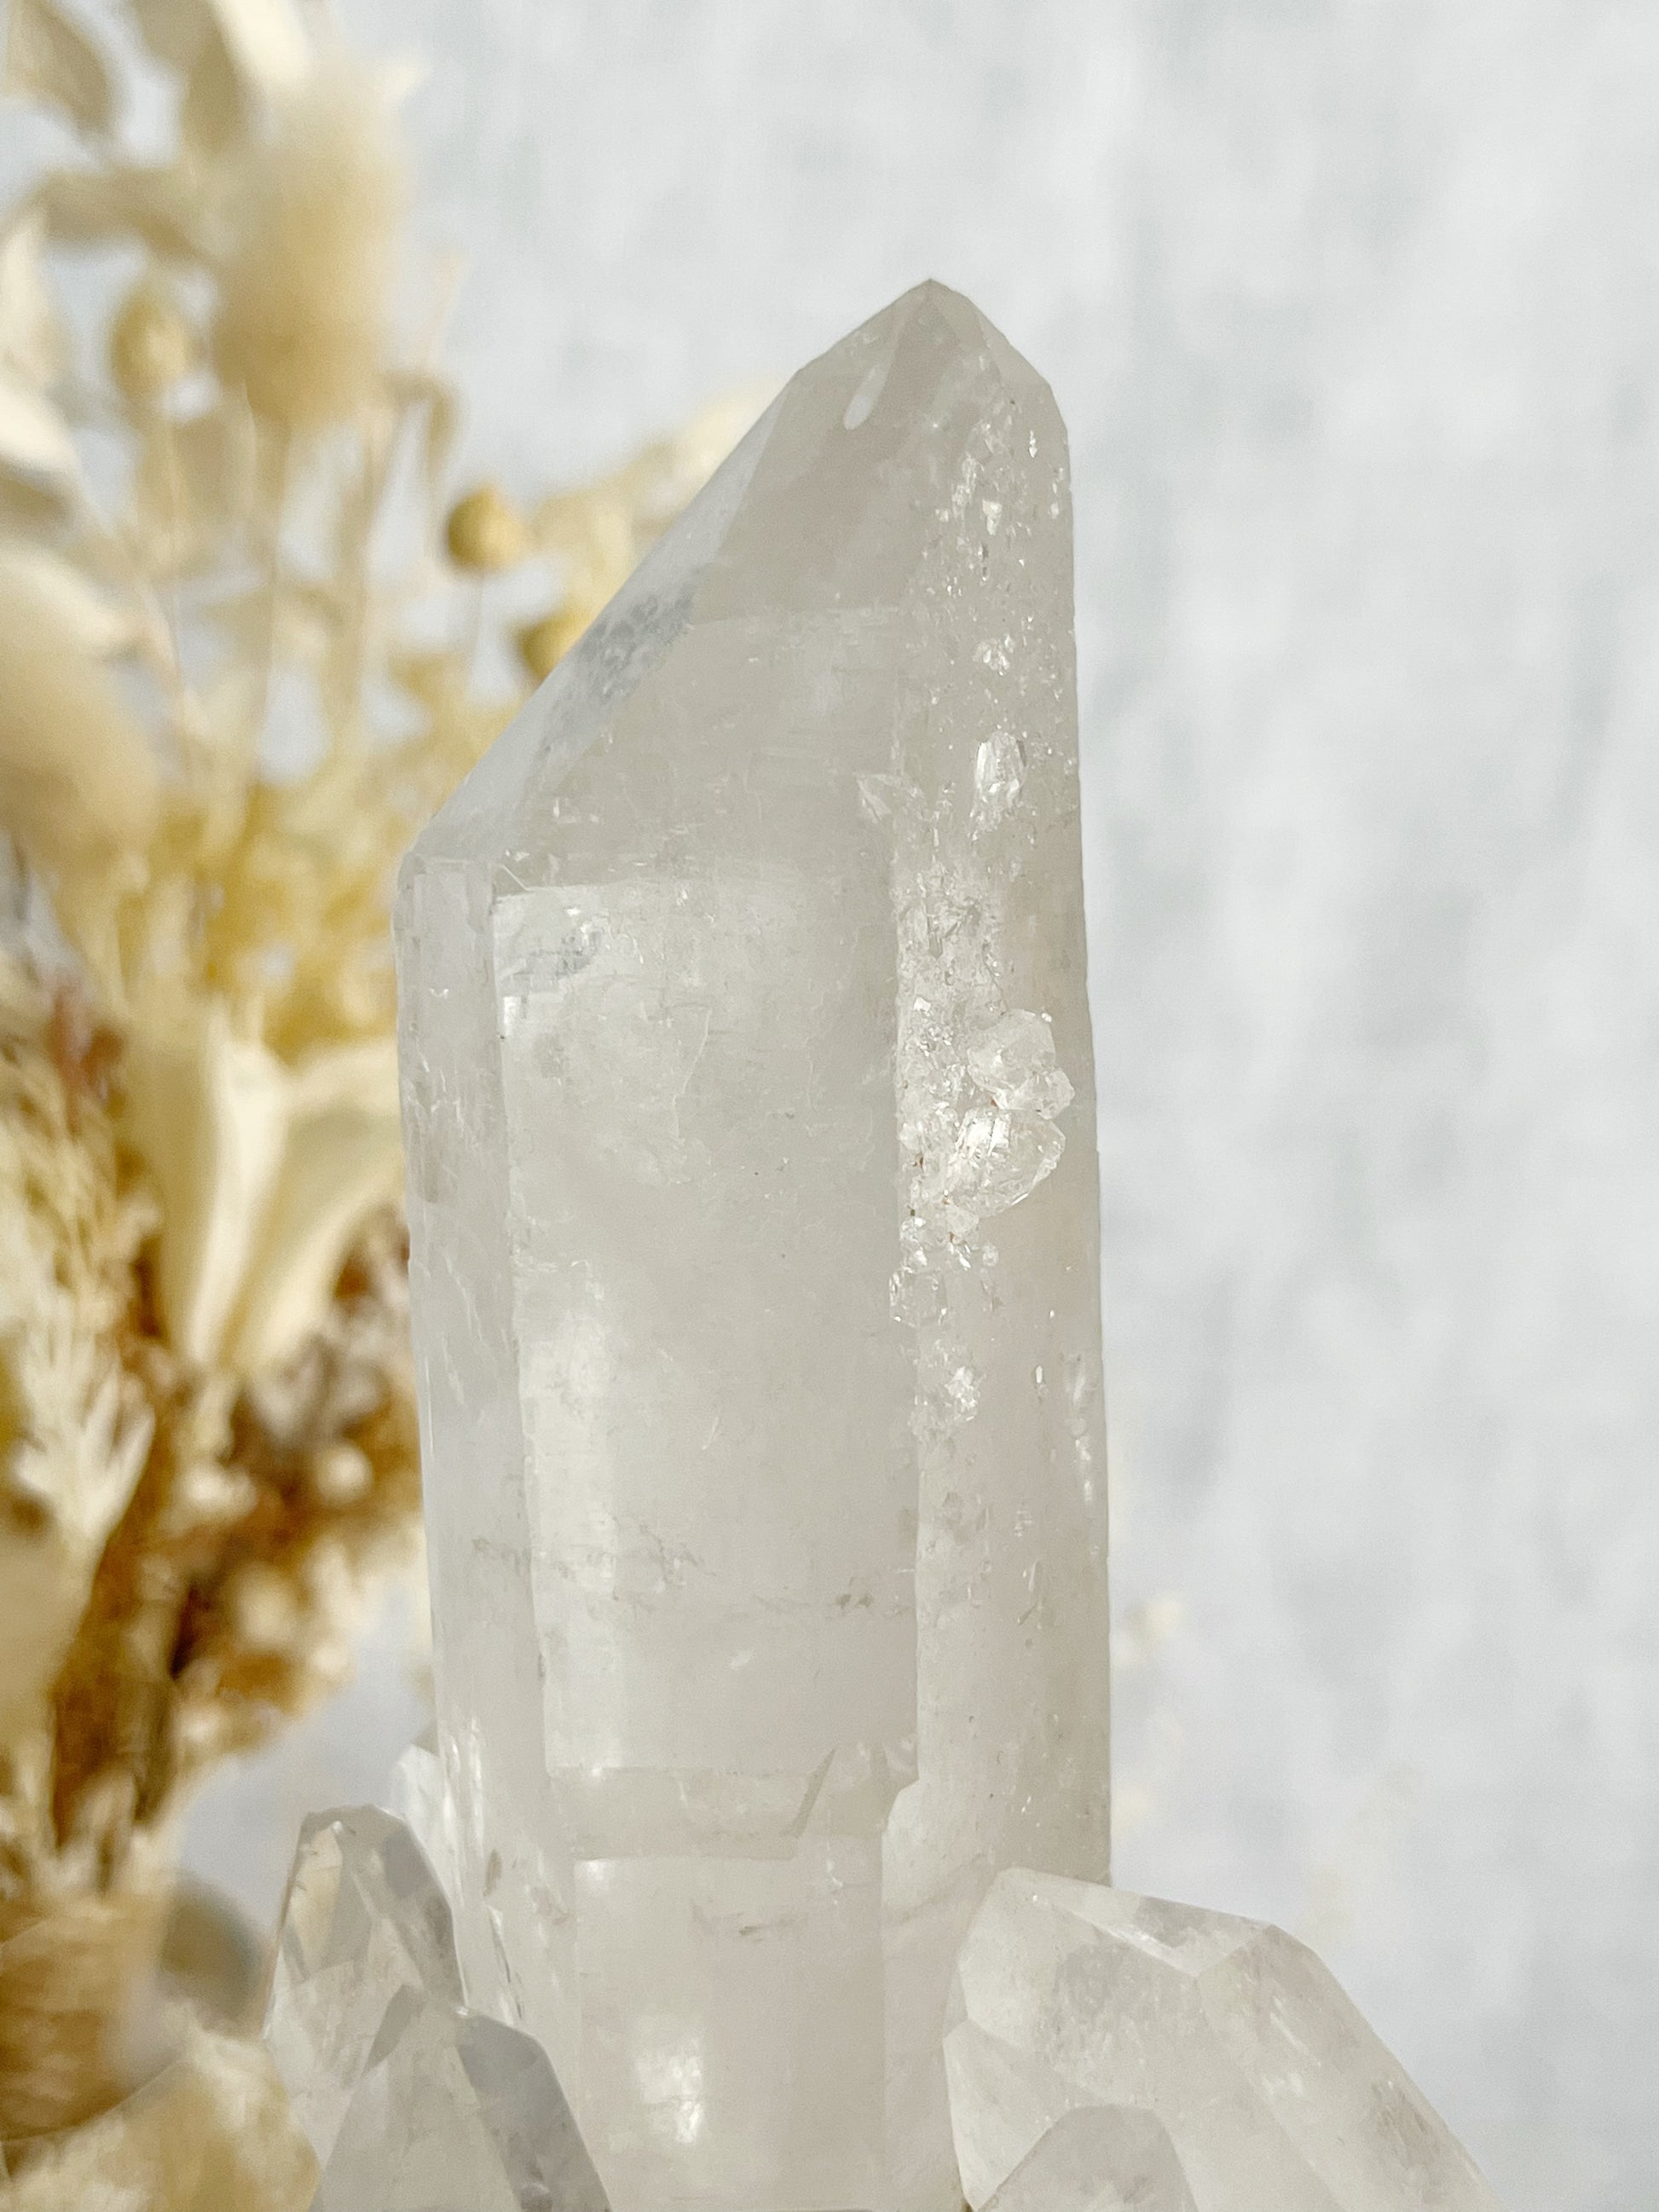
{"type": "Point", "coordinates": [1231, 2036]}
{"type": "Point", "coordinates": [1099, 2158]}
{"type": "Point", "coordinates": [457, 2113]}
{"type": "Point", "coordinates": [364, 1920]}
{"type": "Point", "coordinates": [411, 2103]}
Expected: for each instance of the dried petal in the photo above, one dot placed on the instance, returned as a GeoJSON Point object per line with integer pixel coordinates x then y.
{"type": "Point", "coordinates": [77, 780]}
{"type": "Point", "coordinates": [343, 1161]}
{"type": "Point", "coordinates": [83, 615]}
{"type": "Point", "coordinates": [34, 439]}
{"type": "Point", "coordinates": [215, 111]}
{"type": "Point", "coordinates": [50, 59]}
{"type": "Point", "coordinates": [93, 207]}
{"type": "Point", "coordinates": [207, 1113]}
{"type": "Point", "coordinates": [266, 39]}
{"type": "Point", "coordinates": [33, 342]}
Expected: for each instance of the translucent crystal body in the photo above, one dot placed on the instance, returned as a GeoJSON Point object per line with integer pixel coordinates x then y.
{"type": "Point", "coordinates": [1228, 2034]}
{"type": "Point", "coordinates": [364, 1921]}
{"type": "Point", "coordinates": [1099, 2158]}
{"type": "Point", "coordinates": [411, 2103]}
{"type": "Point", "coordinates": [749, 1098]}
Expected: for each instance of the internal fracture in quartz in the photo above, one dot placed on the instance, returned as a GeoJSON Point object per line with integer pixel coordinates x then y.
{"type": "Point", "coordinates": [1223, 2037]}
{"type": "Point", "coordinates": [750, 1107]}
{"type": "Point", "coordinates": [411, 2102]}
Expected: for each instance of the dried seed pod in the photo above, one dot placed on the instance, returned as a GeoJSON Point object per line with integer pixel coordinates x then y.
{"type": "Point", "coordinates": [306, 288]}
{"type": "Point", "coordinates": [542, 645]}
{"type": "Point", "coordinates": [485, 532]}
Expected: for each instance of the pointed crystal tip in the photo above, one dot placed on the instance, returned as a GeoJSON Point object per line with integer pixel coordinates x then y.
{"type": "Point", "coordinates": [409, 2100]}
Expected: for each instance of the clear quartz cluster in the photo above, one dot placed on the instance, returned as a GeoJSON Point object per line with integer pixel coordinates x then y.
{"type": "Point", "coordinates": [749, 1100]}
{"type": "Point", "coordinates": [410, 2103]}
{"type": "Point", "coordinates": [1102, 2042]}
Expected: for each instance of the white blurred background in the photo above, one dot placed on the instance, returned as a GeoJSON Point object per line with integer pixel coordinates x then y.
{"type": "Point", "coordinates": [1351, 306]}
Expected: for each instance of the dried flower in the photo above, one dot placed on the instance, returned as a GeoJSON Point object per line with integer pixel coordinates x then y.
{"type": "Point", "coordinates": [485, 530]}
{"type": "Point", "coordinates": [208, 1443]}
{"type": "Point", "coordinates": [307, 285]}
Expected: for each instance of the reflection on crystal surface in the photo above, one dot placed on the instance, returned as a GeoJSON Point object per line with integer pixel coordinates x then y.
{"type": "Point", "coordinates": [749, 1095]}
{"type": "Point", "coordinates": [411, 2103]}
{"type": "Point", "coordinates": [1229, 2034]}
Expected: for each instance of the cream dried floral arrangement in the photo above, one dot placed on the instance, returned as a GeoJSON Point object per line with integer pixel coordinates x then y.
{"type": "Point", "coordinates": [222, 516]}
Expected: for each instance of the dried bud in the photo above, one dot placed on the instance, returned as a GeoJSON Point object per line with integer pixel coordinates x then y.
{"type": "Point", "coordinates": [265, 1608]}
{"type": "Point", "coordinates": [341, 1474]}
{"type": "Point", "coordinates": [485, 530]}
{"type": "Point", "coordinates": [542, 645]}
{"type": "Point", "coordinates": [307, 285]}
{"type": "Point", "coordinates": [151, 341]}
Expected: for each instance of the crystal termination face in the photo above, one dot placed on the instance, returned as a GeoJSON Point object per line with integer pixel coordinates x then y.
{"type": "Point", "coordinates": [411, 2103]}
{"type": "Point", "coordinates": [1099, 2158]}
{"type": "Point", "coordinates": [1225, 2037]}
{"type": "Point", "coordinates": [749, 1096]}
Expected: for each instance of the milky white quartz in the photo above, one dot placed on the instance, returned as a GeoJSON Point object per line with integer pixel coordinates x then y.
{"type": "Point", "coordinates": [410, 2103]}
{"type": "Point", "coordinates": [1229, 2035]}
{"type": "Point", "coordinates": [748, 1097]}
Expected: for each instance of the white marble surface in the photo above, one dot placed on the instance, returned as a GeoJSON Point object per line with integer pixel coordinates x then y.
{"type": "Point", "coordinates": [1351, 305]}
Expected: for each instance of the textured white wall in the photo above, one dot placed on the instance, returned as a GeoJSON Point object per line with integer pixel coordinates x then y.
{"type": "Point", "coordinates": [1351, 306]}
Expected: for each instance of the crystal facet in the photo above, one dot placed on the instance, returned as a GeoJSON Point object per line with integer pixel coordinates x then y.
{"type": "Point", "coordinates": [411, 2103]}
{"type": "Point", "coordinates": [1228, 2034]}
{"type": "Point", "coordinates": [1099, 2158]}
{"type": "Point", "coordinates": [749, 1096]}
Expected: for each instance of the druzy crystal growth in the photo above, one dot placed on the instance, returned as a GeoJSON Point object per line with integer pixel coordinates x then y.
{"type": "Point", "coordinates": [1225, 2036]}
{"type": "Point", "coordinates": [750, 1106]}
{"type": "Point", "coordinates": [411, 2103]}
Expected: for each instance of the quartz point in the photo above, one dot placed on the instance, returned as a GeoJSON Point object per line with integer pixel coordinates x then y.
{"type": "Point", "coordinates": [1098, 2158]}
{"type": "Point", "coordinates": [1228, 2034]}
{"type": "Point", "coordinates": [410, 2103]}
{"type": "Point", "coordinates": [749, 1100]}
